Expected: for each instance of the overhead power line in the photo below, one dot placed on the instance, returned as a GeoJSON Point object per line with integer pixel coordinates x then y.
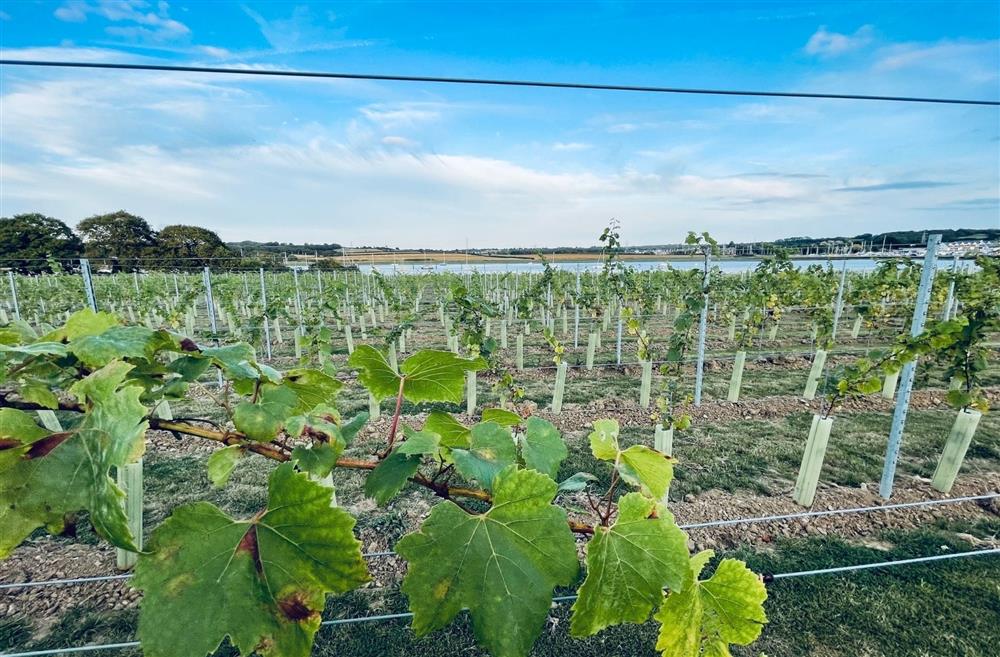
{"type": "Point", "coordinates": [491, 82]}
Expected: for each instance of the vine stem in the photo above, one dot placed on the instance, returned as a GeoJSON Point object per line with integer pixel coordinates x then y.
{"type": "Point", "coordinates": [395, 418]}
{"type": "Point", "coordinates": [266, 450]}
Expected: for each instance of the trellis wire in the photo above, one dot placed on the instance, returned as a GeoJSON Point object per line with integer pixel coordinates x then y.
{"type": "Point", "coordinates": [768, 577]}
{"type": "Point", "coordinates": [697, 525]}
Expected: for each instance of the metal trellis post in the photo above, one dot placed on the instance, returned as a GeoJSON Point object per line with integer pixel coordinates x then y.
{"type": "Point", "coordinates": [906, 378]}
{"type": "Point", "coordinates": [699, 372]}
{"type": "Point", "coordinates": [88, 284]}
{"type": "Point", "coordinates": [13, 295]}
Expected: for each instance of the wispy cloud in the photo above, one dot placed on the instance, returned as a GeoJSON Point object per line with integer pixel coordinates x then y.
{"type": "Point", "coordinates": [894, 186]}
{"type": "Point", "coordinates": [830, 44]}
{"type": "Point", "coordinates": [571, 146]}
{"type": "Point", "coordinates": [303, 32]}
{"type": "Point", "coordinates": [135, 20]}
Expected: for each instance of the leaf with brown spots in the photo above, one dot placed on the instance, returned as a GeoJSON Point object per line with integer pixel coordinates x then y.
{"type": "Point", "coordinates": [262, 581]}
{"type": "Point", "coordinates": [49, 476]}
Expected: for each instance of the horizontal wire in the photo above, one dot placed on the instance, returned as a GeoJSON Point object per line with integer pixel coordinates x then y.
{"type": "Point", "coordinates": [491, 82]}
{"type": "Point", "coordinates": [768, 577]}
{"type": "Point", "coordinates": [701, 525]}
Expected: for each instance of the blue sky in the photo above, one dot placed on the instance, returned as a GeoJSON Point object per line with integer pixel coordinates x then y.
{"type": "Point", "coordinates": [411, 165]}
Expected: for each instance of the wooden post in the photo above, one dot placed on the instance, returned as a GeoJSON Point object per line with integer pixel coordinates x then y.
{"type": "Point", "coordinates": [812, 461]}
{"type": "Point", "coordinates": [954, 450]}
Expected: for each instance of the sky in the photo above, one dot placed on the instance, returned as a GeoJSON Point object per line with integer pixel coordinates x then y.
{"type": "Point", "coordinates": [428, 165]}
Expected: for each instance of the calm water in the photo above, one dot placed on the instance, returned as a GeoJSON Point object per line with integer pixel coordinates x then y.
{"type": "Point", "coordinates": [727, 266]}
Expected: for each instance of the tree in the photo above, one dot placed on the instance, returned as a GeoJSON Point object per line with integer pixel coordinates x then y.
{"type": "Point", "coordinates": [28, 240]}
{"type": "Point", "coordinates": [119, 236]}
{"type": "Point", "coordinates": [186, 247]}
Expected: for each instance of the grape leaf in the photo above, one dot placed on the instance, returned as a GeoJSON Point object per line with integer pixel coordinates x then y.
{"type": "Point", "coordinates": [312, 387]}
{"type": "Point", "coordinates": [427, 375]}
{"type": "Point", "coordinates": [262, 582]}
{"type": "Point", "coordinates": [221, 462]}
{"type": "Point", "coordinates": [319, 459]}
{"type": "Point", "coordinates": [263, 420]}
{"type": "Point", "coordinates": [437, 376]}
{"type": "Point", "coordinates": [82, 323]}
{"type": "Point", "coordinates": [42, 479]}
{"type": "Point", "coordinates": [453, 433]}
{"type": "Point", "coordinates": [501, 416]}
{"type": "Point", "coordinates": [641, 466]}
{"type": "Point", "coordinates": [419, 442]}
{"type": "Point", "coordinates": [36, 349]}
{"type": "Point", "coordinates": [491, 450]}
{"type": "Point", "coordinates": [576, 482]}
{"type": "Point", "coordinates": [389, 476]}
{"type": "Point", "coordinates": [374, 371]}
{"type": "Point", "coordinates": [604, 440]}
{"type": "Point", "coordinates": [628, 565]}
{"type": "Point", "coordinates": [704, 617]}
{"type": "Point", "coordinates": [542, 447]}
{"type": "Point", "coordinates": [501, 565]}
{"type": "Point", "coordinates": [119, 342]}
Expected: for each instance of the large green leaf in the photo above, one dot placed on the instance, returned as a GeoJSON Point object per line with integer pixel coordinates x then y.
{"type": "Point", "coordinates": [501, 565]}
{"type": "Point", "coordinates": [501, 416]}
{"type": "Point", "coordinates": [389, 476]}
{"type": "Point", "coordinates": [43, 479]}
{"type": "Point", "coordinates": [705, 617]}
{"type": "Point", "coordinates": [542, 447]}
{"type": "Point", "coordinates": [437, 376]}
{"type": "Point", "coordinates": [261, 582]}
{"type": "Point", "coordinates": [221, 462]}
{"type": "Point", "coordinates": [264, 419]}
{"type": "Point", "coordinates": [419, 442]}
{"type": "Point", "coordinates": [453, 433]}
{"type": "Point", "coordinates": [644, 467]}
{"type": "Point", "coordinates": [119, 342]}
{"type": "Point", "coordinates": [319, 459]}
{"type": "Point", "coordinates": [492, 449]}
{"type": "Point", "coordinates": [82, 323]}
{"type": "Point", "coordinates": [312, 387]}
{"type": "Point", "coordinates": [427, 375]}
{"type": "Point", "coordinates": [604, 440]}
{"type": "Point", "coordinates": [374, 371]}
{"type": "Point", "coordinates": [628, 566]}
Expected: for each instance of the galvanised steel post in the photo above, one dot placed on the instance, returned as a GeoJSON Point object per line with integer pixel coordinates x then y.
{"type": "Point", "coordinates": [88, 284]}
{"type": "Point", "coordinates": [699, 372]}
{"type": "Point", "coordinates": [906, 377]}
{"type": "Point", "coordinates": [839, 307]}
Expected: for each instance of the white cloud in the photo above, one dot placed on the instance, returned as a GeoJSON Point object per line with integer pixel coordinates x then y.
{"type": "Point", "coordinates": [214, 51]}
{"type": "Point", "coordinates": [977, 61]}
{"type": "Point", "coordinates": [401, 142]}
{"type": "Point", "coordinates": [142, 23]}
{"type": "Point", "coordinates": [571, 146]}
{"type": "Point", "coordinates": [302, 32]}
{"type": "Point", "coordinates": [393, 115]}
{"type": "Point", "coordinates": [830, 44]}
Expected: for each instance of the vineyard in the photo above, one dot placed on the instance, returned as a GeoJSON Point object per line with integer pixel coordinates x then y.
{"type": "Point", "coordinates": [672, 461]}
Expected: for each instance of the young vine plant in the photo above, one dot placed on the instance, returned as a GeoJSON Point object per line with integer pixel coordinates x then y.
{"type": "Point", "coordinates": [498, 543]}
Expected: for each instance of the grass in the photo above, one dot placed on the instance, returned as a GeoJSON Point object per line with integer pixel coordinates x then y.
{"type": "Point", "coordinates": [942, 609]}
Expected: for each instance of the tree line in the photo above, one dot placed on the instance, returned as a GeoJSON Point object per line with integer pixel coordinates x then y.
{"type": "Point", "coordinates": [117, 241]}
